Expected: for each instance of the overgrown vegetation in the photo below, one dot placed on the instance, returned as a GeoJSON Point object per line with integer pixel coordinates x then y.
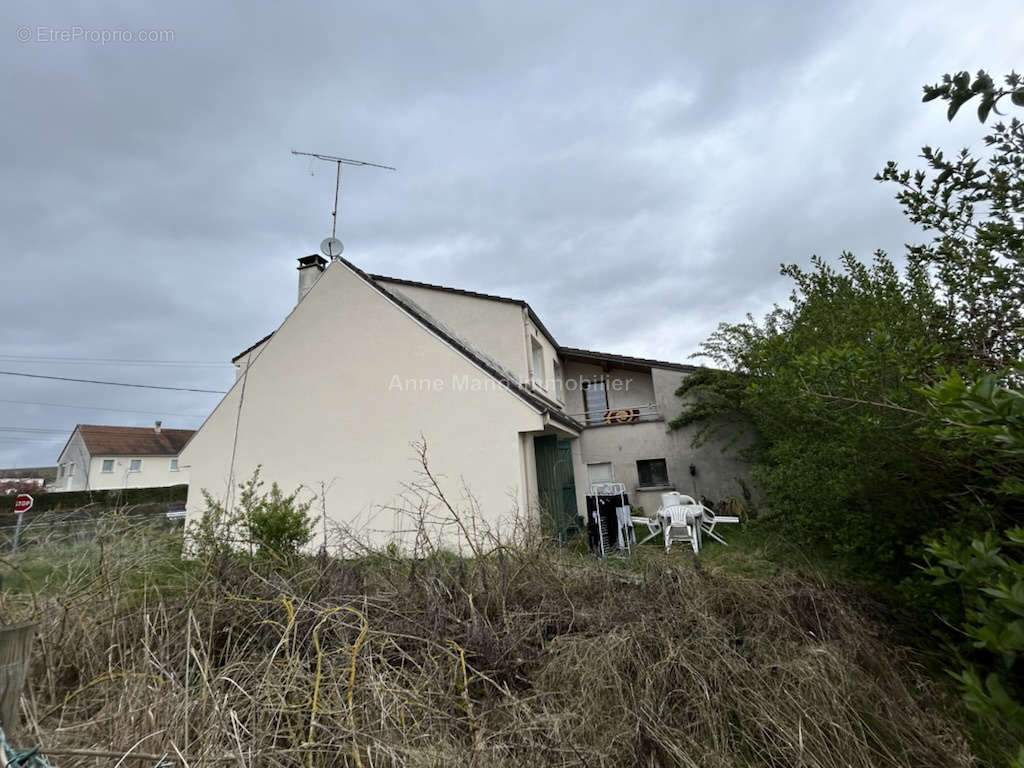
{"type": "Point", "coordinates": [887, 408]}
{"type": "Point", "coordinates": [520, 655]}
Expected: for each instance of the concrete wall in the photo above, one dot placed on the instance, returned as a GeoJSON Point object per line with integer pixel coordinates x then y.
{"type": "Point", "coordinates": [719, 471]}
{"type": "Point", "coordinates": [493, 327]}
{"type": "Point", "coordinates": [339, 394]}
{"type": "Point", "coordinates": [622, 445]}
{"type": "Point", "coordinates": [626, 388]}
{"type": "Point", "coordinates": [155, 473]}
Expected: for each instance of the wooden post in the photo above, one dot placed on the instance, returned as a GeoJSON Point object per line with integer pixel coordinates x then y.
{"type": "Point", "coordinates": [15, 653]}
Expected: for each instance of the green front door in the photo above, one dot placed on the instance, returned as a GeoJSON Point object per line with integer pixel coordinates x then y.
{"type": "Point", "coordinates": [555, 486]}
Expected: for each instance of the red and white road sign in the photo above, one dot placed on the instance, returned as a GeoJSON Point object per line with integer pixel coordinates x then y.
{"type": "Point", "coordinates": [23, 503]}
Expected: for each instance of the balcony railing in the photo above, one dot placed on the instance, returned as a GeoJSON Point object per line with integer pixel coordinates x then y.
{"type": "Point", "coordinates": [627, 415]}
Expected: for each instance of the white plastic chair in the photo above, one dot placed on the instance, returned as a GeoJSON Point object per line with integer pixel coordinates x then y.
{"type": "Point", "coordinates": [652, 524]}
{"type": "Point", "coordinates": [682, 523]}
{"type": "Point", "coordinates": [709, 520]}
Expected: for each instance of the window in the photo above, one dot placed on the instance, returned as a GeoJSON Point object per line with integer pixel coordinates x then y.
{"type": "Point", "coordinates": [595, 401]}
{"type": "Point", "coordinates": [600, 473]}
{"type": "Point", "coordinates": [108, 465]}
{"type": "Point", "coordinates": [174, 465]}
{"type": "Point", "coordinates": [71, 469]}
{"type": "Point", "coordinates": [652, 472]}
{"type": "Point", "coordinates": [60, 471]}
{"type": "Point", "coordinates": [557, 383]}
{"type": "Point", "coordinates": [135, 465]}
{"type": "Point", "coordinates": [537, 360]}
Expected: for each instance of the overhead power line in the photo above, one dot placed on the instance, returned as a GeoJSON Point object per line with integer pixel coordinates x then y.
{"type": "Point", "coordinates": [102, 408]}
{"type": "Point", "coordinates": [34, 430]}
{"type": "Point", "coordinates": [111, 361]}
{"type": "Point", "coordinates": [112, 383]}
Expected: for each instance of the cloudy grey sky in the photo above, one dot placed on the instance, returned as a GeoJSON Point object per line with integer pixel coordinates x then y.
{"type": "Point", "coordinates": [637, 171]}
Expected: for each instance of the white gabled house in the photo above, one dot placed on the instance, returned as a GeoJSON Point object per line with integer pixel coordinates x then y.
{"type": "Point", "coordinates": [365, 366]}
{"type": "Point", "coordinates": [99, 457]}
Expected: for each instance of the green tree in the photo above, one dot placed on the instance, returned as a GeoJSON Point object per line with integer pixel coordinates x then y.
{"type": "Point", "coordinates": [848, 450]}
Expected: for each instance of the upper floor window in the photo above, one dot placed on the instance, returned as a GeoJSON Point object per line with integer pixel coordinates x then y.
{"type": "Point", "coordinates": [537, 363]}
{"type": "Point", "coordinates": [557, 382]}
{"type": "Point", "coordinates": [108, 465]}
{"type": "Point", "coordinates": [71, 469]}
{"type": "Point", "coordinates": [652, 472]}
{"type": "Point", "coordinates": [135, 465]}
{"type": "Point", "coordinates": [595, 401]}
{"type": "Point", "coordinates": [174, 465]}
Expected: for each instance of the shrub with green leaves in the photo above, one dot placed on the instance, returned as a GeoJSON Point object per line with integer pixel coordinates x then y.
{"type": "Point", "coordinates": [849, 453]}
{"type": "Point", "coordinates": [264, 523]}
{"type": "Point", "coordinates": [983, 425]}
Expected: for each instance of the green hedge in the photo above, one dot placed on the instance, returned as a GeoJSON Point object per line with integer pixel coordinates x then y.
{"type": "Point", "coordinates": [108, 498]}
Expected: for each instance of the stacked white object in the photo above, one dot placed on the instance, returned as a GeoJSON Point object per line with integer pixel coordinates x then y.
{"type": "Point", "coordinates": [623, 535]}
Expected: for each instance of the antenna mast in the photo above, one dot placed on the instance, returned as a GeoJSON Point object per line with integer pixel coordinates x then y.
{"type": "Point", "coordinates": [331, 246]}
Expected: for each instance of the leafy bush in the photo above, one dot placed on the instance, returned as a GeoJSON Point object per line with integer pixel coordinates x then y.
{"type": "Point", "coordinates": [983, 425]}
{"type": "Point", "coordinates": [266, 523]}
{"type": "Point", "coordinates": [849, 452]}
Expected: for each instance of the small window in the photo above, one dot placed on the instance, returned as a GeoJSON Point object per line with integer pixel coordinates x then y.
{"type": "Point", "coordinates": [60, 471]}
{"type": "Point", "coordinates": [595, 401]}
{"type": "Point", "coordinates": [135, 465]}
{"type": "Point", "coordinates": [71, 469]}
{"type": "Point", "coordinates": [174, 465]}
{"type": "Point", "coordinates": [600, 473]}
{"type": "Point", "coordinates": [557, 383]}
{"type": "Point", "coordinates": [108, 465]}
{"type": "Point", "coordinates": [537, 358]}
{"type": "Point", "coordinates": [652, 472]}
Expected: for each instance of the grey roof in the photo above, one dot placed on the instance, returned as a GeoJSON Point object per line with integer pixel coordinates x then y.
{"type": "Point", "coordinates": [607, 357]}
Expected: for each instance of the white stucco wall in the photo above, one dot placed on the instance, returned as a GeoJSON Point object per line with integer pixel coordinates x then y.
{"type": "Point", "coordinates": [339, 394]}
{"type": "Point", "coordinates": [75, 453]}
{"type": "Point", "coordinates": [546, 386]}
{"type": "Point", "coordinates": [155, 473]}
{"type": "Point", "coordinates": [493, 327]}
{"type": "Point", "coordinates": [242, 362]}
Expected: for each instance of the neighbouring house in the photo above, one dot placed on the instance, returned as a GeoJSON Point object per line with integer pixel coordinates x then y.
{"type": "Point", "coordinates": [365, 366]}
{"type": "Point", "coordinates": [102, 457]}
{"type": "Point", "coordinates": [26, 479]}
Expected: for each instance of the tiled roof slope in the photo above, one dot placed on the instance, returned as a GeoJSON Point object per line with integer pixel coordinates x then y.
{"type": "Point", "coordinates": [133, 441]}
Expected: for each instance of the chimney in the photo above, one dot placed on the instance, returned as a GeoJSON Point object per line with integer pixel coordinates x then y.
{"type": "Point", "coordinates": [156, 427]}
{"type": "Point", "coordinates": [310, 268]}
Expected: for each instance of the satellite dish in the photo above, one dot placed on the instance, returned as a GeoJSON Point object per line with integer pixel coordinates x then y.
{"type": "Point", "coordinates": [331, 247]}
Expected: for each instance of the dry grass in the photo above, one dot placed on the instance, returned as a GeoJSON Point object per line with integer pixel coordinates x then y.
{"type": "Point", "coordinates": [521, 657]}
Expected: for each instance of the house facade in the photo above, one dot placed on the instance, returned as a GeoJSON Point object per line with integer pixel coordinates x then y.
{"type": "Point", "coordinates": [98, 457]}
{"type": "Point", "coordinates": [366, 366]}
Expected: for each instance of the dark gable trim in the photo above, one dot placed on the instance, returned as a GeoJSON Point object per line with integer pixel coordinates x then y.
{"type": "Point", "coordinates": [570, 353]}
{"type": "Point", "coordinates": [250, 348]}
{"type": "Point", "coordinates": [475, 295]}
{"type": "Point", "coordinates": [465, 350]}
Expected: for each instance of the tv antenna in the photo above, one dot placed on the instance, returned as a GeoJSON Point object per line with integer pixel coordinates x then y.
{"type": "Point", "coordinates": [331, 247]}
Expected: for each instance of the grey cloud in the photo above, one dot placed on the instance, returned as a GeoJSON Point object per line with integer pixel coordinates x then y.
{"type": "Point", "coordinates": [636, 171]}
